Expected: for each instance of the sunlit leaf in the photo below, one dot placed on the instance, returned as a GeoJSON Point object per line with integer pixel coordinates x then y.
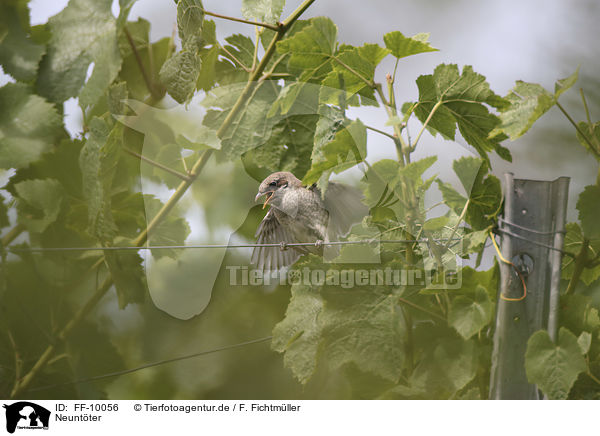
{"type": "Point", "coordinates": [528, 102]}
{"type": "Point", "coordinates": [28, 126]}
{"type": "Point", "coordinates": [402, 46]}
{"type": "Point", "coordinates": [554, 367]}
{"type": "Point", "coordinates": [266, 11]}
{"type": "Point", "coordinates": [82, 33]}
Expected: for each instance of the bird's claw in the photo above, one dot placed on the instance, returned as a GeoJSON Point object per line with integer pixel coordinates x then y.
{"type": "Point", "coordinates": [318, 243]}
{"type": "Point", "coordinates": [283, 246]}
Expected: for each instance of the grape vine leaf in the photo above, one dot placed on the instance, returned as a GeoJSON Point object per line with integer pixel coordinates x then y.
{"type": "Point", "coordinates": [588, 206]}
{"type": "Point", "coordinates": [446, 367]}
{"type": "Point", "coordinates": [592, 133]}
{"type": "Point", "coordinates": [82, 33]}
{"type": "Point", "coordinates": [573, 243]}
{"type": "Point", "coordinates": [554, 367]}
{"type": "Point", "coordinates": [181, 71]}
{"type": "Point", "coordinates": [290, 146]}
{"type": "Point", "coordinates": [151, 56]}
{"type": "Point", "coordinates": [252, 126]}
{"type": "Point", "coordinates": [528, 102]}
{"type": "Point", "coordinates": [173, 230]}
{"type": "Point", "coordinates": [19, 54]}
{"type": "Point", "coordinates": [373, 343]}
{"type": "Point", "coordinates": [353, 72]}
{"type": "Point", "coordinates": [348, 148]}
{"type": "Point", "coordinates": [40, 203]}
{"type": "Point", "coordinates": [29, 125]}
{"type": "Point", "coordinates": [265, 11]}
{"type": "Point", "coordinates": [484, 194]}
{"type": "Point", "coordinates": [401, 46]}
{"type": "Point", "coordinates": [311, 49]}
{"type": "Point", "coordinates": [128, 276]}
{"type": "Point", "coordinates": [469, 314]}
{"type": "Point", "coordinates": [98, 161]}
{"type": "Point", "coordinates": [299, 333]}
{"type": "Point", "coordinates": [578, 313]}
{"type": "Point", "coordinates": [450, 99]}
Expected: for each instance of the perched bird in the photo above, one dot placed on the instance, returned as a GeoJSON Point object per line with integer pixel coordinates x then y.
{"type": "Point", "coordinates": [299, 214]}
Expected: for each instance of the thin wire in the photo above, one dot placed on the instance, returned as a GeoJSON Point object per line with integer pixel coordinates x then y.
{"type": "Point", "coordinates": [527, 229]}
{"type": "Point", "coordinates": [503, 259]}
{"type": "Point", "coordinates": [549, 247]}
{"type": "Point", "coordinates": [150, 365]}
{"type": "Point", "coordinates": [282, 245]}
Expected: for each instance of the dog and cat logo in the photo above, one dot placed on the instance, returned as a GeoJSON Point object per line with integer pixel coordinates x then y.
{"type": "Point", "coordinates": [26, 415]}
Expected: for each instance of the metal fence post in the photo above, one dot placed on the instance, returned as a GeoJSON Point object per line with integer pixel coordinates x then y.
{"type": "Point", "coordinates": [532, 236]}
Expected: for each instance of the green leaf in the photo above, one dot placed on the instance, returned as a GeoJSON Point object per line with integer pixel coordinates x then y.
{"type": "Point", "coordinates": [363, 326]}
{"type": "Point", "coordinates": [352, 74]}
{"type": "Point", "coordinates": [98, 162]}
{"type": "Point", "coordinates": [573, 243]}
{"type": "Point", "coordinates": [180, 73]}
{"type": "Point", "coordinates": [554, 367]}
{"type": "Point", "coordinates": [564, 84]}
{"type": "Point", "coordinates": [299, 333]}
{"type": "Point", "coordinates": [588, 206]}
{"type": "Point", "coordinates": [373, 53]}
{"type": "Point", "coordinates": [460, 100]}
{"type": "Point", "coordinates": [82, 33]}
{"type": "Point", "coordinates": [173, 230]}
{"type": "Point", "coordinates": [402, 46]}
{"type": "Point", "coordinates": [467, 169]}
{"type": "Point", "coordinates": [227, 69]}
{"type": "Point", "coordinates": [92, 352]}
{"type": "Point", "coordinates": [128, 276]}
{"type": "Point", "coordinates": [449, 363]}
{"type": "Point", "coordinates": [208, 74]}
{"type": "Point", "coordinates": [578, 313]}
{"type": "Point", "coordinates": [290, 146]}
{"type": "Point", "coordinates": [485, 200]}
{"type": "Point", "coordinates": [19, 54]}
{"type": "Point", "coordinates": [528, 102]}
{"type": "Point", "coordinates": [311, 49]}
{"type": "Point", "coordinates": [151, 56]}
{"type": "Point", "coordinates": [451, 197]}
{"type": "Point", "coordinates": [584, 341]}
{"type": "Point", "coordinates": [29, 125]}
{"type": "Point", "coordinates": [252, 126]}
{"type": "Point", "coordinates": [190, 19]}
{"type": "Point", "coordinates": [592, 134]}
{"type": "Point", "coordinates": [468, 315]}
{"type": "Point", "coordinates": [265, 11]}
{"type": "Point", "coordinates": [348, 148]}
{"type": "Point", "coordinates": [40, 203]}
{"type": "Point", "coordinates": [485, 194]}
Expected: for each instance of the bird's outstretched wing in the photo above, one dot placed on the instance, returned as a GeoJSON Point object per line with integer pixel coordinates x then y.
{"type": "Point", "coordinates": [270, 231]}
{"type": "Point", "coordinates": [345, 208]}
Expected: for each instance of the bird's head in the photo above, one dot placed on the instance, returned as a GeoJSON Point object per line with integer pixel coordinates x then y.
{"type": "Point", "coordinates": [275, 185]}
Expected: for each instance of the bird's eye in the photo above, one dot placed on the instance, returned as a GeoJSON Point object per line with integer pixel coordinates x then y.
{"type": "Point", "coordinates": [273, 184]}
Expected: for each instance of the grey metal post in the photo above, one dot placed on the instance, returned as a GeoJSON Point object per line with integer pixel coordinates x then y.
{"type": "Point", "coordinates": [532, 237]}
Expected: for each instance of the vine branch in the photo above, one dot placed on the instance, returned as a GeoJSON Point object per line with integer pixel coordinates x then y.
{"type": "Point", "coordinates": [241, 20]}
{"type": "Point", "coordinates": [176, 173]}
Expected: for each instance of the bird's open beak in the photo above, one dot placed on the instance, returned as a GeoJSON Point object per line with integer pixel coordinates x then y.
{"type": "Point", "coordinates": [269, 194]}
